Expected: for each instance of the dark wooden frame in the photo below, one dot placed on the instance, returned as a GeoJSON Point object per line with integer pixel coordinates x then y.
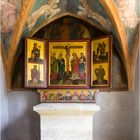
{"type": "Point", "coordinates": [41, 62]}
{"type": "Point", "coordinates": [67, 86]}
{"type": "Point", "coordinates": [109, 83]}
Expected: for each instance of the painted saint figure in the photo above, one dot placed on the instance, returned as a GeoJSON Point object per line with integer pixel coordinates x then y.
{"type": "Point", "coordinates": [35, 76]}
{"type": "Point", "coordinates": [54, 67]}
{"type": "Point", "coordinates": [61, 66]}
{"type": "Point", "coordinates": [75, 61]}
{"type": "Point", "coordinates": [100, 73]}
{"type": "Point", "coordinates": [82, 65]}
{"type": "Point", "coordinates": [102, 54]}
{"type": "Point", "coordinates": [35, 54]}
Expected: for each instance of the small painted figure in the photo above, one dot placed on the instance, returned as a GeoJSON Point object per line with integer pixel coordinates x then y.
{"type": "Point", "coordinates": [61, 66]}
{"type": "Point", "coordinates": [35, 55]}
{"type": "Point", "coordinates": [75, 61]}
{"type": "Point", "coordinates": [35, 76]}
{"type": "Point", "coordinates": [44, 96]}
{"type": "Point", "coordinates": [83, 96]}
{"type": "Point", "coordinates": [52, 96]}
{"type": "Point", "coordinates": [90, 96]}
{"type": "Point", "coordinates": [60, 96]}
{"type": "Point", "coordinates": [100, 73]}
{"type": "Point", "coordinates": [102, 54]}
{"type": "Point", "coordinates": [82, 66]}
{"type": "Point", "coordinates": [54, 67]}
{"type": "Point", "coordinates": [68, 95]}
{"type": "Point", "coordinates": [75, 96]}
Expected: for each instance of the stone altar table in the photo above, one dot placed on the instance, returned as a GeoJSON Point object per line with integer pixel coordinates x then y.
{"type": "Point", "coordinates": [63, 121]}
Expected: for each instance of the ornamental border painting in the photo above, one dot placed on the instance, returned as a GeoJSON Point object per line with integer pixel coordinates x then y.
{"type": "Point", "coordinates": [68, 95]}
{"type": "Point", "coordinates": [68, 64]}
{"type": "Point", "coordinates": [35, 63]}
{"type": "Point", "coordinates": [101, 54]}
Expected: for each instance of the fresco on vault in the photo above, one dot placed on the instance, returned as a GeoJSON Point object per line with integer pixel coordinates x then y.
{"type": "Point", "coordinates": [84, 9]}
{"type": "Point", "coordinates": [9, 12]}
{"type": "Point", "coordinates": [128, 11]}
{"type": "Point", "coordinates": [48, 10]}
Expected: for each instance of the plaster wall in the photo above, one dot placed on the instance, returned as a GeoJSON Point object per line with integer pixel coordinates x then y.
{"type": "Point", "coordinates": [18, 120]}
{"type": "Point", "coordinates": [4, 116]}
{"type": "Point", "coordinates": [136, 103]}
{"type": "Point", "coordinates": [24, 123]}
{"type": "Point", "coordinates": [114, 121]}
{"type": "Point", "coordinates": [117, 120]}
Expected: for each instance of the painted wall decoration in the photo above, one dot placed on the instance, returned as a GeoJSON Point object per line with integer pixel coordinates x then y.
{"type": "Point", "coordinates": [84, 9]}
{"type": "Point", "coordinates": [35, 63]}
{"type": "Point", "coordinates": [9, 10]}
{"type": "Point", "coordinates": [48, 10]}
{"type": "Point", "coordinates": [68, 64]}
{"type": "Point", "coordinates": [71, 96]}
{"type": "Point", "coordinates": [129, 14]}
{"type": "Point", "coordinates": [101, 62]}
{"type": "Point", "coordinates": [8, 19]}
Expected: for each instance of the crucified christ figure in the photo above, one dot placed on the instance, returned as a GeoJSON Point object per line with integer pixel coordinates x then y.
{"type": "Point", "coordinates": [67, 48]}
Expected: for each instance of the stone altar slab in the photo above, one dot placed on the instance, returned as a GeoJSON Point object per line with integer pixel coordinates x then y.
{"type": "Point", "coordinates": [62, 121]}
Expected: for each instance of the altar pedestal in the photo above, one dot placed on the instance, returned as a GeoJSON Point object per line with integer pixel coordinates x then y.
{"type": "Point", "coordinates": [62, 121]}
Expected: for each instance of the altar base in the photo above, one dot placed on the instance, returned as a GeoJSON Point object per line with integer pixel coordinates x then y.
{"type": "Point", "coordinates": [62, 121]}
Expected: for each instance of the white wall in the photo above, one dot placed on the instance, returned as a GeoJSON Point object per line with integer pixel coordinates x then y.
{"type": "Point", "coordinates": [114, 121]}
{"type": "Point", "coordinates": [18, 121]}
{"type": "Point", "coordinates": [136, 99]}
{"type": "Point", "coordinates": [24, 123]}
{"type": "Point", "coordinates": [3, 105]}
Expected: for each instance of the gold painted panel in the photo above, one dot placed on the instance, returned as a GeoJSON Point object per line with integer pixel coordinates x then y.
{"type": "Point", "coordinates": [35, 63]}
{"type": "Point", "coordinates": [68, 64]}
{"type": "Point", "coordinates": [101, 51]}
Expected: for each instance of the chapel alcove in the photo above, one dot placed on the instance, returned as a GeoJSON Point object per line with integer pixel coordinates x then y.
{"type": "Point", "coordinates": [71, 28]}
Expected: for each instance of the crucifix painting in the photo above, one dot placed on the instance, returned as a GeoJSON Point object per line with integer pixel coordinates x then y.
{"type": "Point", "coordinates": [68, 63]}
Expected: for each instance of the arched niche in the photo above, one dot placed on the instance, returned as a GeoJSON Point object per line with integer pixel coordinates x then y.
{"type": "Point", "coordinates": [78, 29]}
